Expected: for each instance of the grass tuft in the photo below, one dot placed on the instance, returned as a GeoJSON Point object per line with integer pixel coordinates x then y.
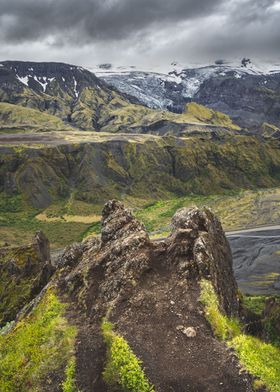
{"type": "Point", "coordinates": [69, 384]}
{"type": "Point", "coordinates": [223, 327]}
{"type": "Point", "coordinates": [261, 359]}
{"type": "Point", "coordinates": [36, 350]}
{"type": "Point", "coordinates": [123, 368]}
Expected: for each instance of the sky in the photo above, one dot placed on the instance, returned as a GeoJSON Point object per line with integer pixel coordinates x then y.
{"type": "Point", "coordinates": [144, 33]}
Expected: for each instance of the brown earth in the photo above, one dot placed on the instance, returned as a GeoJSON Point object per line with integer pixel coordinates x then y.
{"type": "Point", "coordinates": [150, 291]}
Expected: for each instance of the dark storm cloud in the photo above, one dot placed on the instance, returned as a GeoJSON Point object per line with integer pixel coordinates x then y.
{"type": "Point", "coordinates": [128, 31]}
{"type": "Point", "coordinates": [93, 19]}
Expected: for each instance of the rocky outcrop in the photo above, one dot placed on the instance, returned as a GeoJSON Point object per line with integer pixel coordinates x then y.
{"type": "Point", "coordinates": [150, 291]}
{"type": "Point", "coordinates": [199, 246]}
{"type": "Point", "coordinates": [24, 271]}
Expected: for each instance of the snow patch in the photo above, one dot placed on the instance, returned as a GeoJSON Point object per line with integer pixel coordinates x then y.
{"type": "Point", "coordinates": [23, 80]}
{"type": "Point", "coordinates": [44, 83]}
{"type": "Point", "coordinates": [75, 87]}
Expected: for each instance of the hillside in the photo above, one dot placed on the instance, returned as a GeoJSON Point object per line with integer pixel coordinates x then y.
{"type": "Point", "coordinates": [249, 94]}
{"type": "Point", "coordinates": [79, 99]}
{"type": "Point", "coordinates": [58, 166]}
{"type": "Point", "coordinates": [142, 166]}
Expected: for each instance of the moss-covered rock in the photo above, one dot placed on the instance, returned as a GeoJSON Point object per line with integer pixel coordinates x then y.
{"type": "Point", "coordinates": [24, 271]}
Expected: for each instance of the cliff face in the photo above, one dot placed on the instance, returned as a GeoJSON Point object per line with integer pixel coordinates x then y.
{"type": "Point", "coordinates": [24, 271]}
{"type": "Point", "coordinates": [140, 166]}
{"type": "Point", "coordinates": [150, 291]}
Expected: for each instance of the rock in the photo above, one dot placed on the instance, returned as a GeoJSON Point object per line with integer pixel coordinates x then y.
{"type": "Point", "coordinates": [41, 243]}
{"type": "Point", "coordinates": [70, 256]}
{"type": "Point", "coordinates": [190, 332]}
{"type": "Point", "coordinates": [143, 287]}
{"type": "Point", "coordinates": [198, 245]}
{"type": "Point", "coordinates": [28, 268]}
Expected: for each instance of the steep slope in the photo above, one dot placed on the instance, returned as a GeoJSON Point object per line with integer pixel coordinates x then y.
{"type": "Point", "coordinates": [15, 117]}
{"type": "Point", "coordinates": [140, 166]}
{"type": "Point", "coordinates": [78, 98]}
{"type": "Point", "coordinates": [248, 94]}
{"type": "Point", "coordinates": [24, 271]}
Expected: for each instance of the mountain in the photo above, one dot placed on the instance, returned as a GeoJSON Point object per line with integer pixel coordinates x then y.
{"type": "Point", "coordinates": [69, 142]}
{"type": "Point", "coordinates": [250, 95]}
{"type": "Point", "coordinates": [80, 100]}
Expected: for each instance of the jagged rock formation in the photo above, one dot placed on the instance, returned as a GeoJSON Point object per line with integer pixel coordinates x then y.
{"type": "Point", "coordinates": [150, 291]}
{"type": "Point", "coordinates": [24, 271]}
{"type": "Point", "coordinates": [203, 240]}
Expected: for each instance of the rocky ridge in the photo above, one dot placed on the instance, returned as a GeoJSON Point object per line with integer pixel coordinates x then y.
{"type": "Point", "coordinates": [150, 291]}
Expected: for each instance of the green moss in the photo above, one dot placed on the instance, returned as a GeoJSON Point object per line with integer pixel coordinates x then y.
{"type": "Point", "coordinates": [223, 327]}
{"type": "Point", "coordinates": [18, 116]}
{"type": "Point", "coordinates": [205, 115]}
{"type": "Point", "coordinates": [94, 229]}
{"type": "Point", "coordinates": [16, 289]}
{"type": "Point", "coordinates": [10, 203]}
{"type": "Point", "coordinates": [261, 359]}
{"type": "Point", "coordinates": [255, 303]}
{"type": "Point", "coordinates": [37, 349]}
{"type": "Point", "coordinates": [69, 384]}
{"type": "Point", "coordinates": [123, 368]}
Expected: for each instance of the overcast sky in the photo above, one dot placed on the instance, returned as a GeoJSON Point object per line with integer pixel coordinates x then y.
{"type": "Point", "coordinates": [148, 33]}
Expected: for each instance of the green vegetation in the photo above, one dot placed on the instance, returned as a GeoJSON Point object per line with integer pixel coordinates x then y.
{"type": "Point", "coordinates": [69, 220]}
{"type": "Point", "coordinates": [235, 209]}
{"type": "Point", "coordinates": [261, 359]}
{"type": "Point", "coordinates": [16, 289]}
{"type": "Point", "coordinates": [256, 303]}
{"type": "Point", "coordinates": [36, 350]}
{"type": "Point", "coordinates": [17, 116]}
{"type": "Point", "coordinates": [69, 384]}
{"type": "Point", "coordinates": [223, 327]}
{"type": "Point", "coordinates": [19, 221]}
{"type": "Point", "coordinates": [205, 115]}
{"type": "Point", "coordinates": [123, 368]}
{"type": "Point", "coordinates": [96, 109]}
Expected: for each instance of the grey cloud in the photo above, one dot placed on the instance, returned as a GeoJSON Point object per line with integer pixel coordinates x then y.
{"type": "Point", "coordinates": [135, 31]}
{"type": "Point", "coordinates": [85, 20]}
